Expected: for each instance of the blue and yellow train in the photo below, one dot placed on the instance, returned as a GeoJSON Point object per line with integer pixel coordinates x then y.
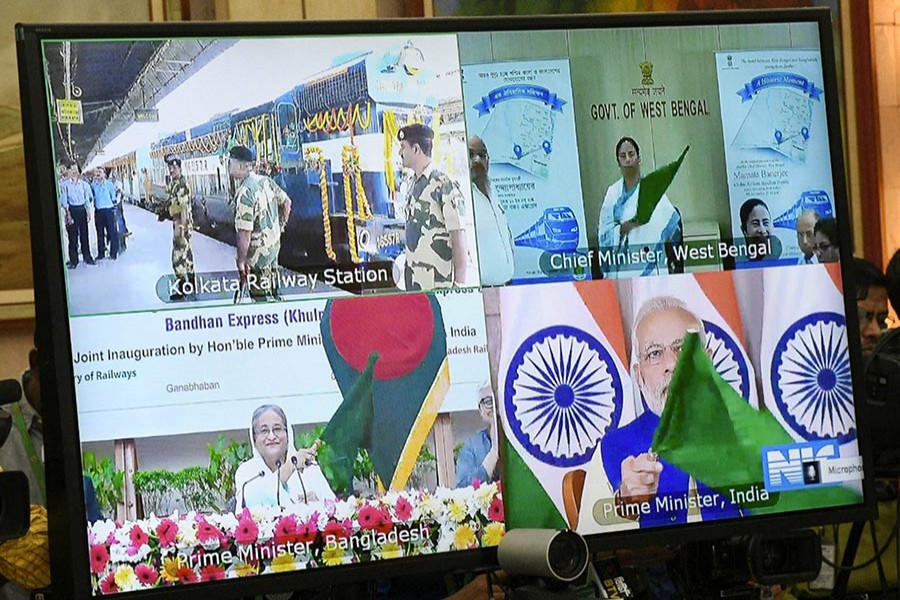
{"type": "Point", "coordinates": [330, 143]}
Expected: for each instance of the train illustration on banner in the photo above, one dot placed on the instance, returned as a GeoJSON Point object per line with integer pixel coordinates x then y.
{"type": "Point", "coordinates": [816, 200]}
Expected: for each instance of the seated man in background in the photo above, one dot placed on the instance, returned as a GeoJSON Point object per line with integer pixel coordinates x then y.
{"type": "Point", "coordinates": [479, 456]}
{"type": "Point", "coordinates": [871, 302]}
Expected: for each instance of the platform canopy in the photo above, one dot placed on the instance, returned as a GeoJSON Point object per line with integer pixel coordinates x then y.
{"type": "Point", "coordinates": [117, 83]}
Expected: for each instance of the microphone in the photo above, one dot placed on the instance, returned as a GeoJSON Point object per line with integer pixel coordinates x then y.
{"type": "Point", "coordinates": [244, 487]}
{"type": "Point", "coordinates": [10, 391]}
{"type": "Point", "coordinates": [300, 477]}
{"type": "Point", "coordinates": [278, 482]}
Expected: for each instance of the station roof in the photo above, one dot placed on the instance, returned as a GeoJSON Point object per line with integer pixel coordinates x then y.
{"type": "Point", "coordinates": [112, 79]}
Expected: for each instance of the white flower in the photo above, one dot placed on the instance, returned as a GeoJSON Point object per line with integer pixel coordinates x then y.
{"type": "Point", "coordinates": [345, 509]}
{"type": "Point", "coordinates": [266, 531]}
{"type": "Point", "coordinates": [445, 538]}
{"type": "Point", "coordinates": [142, 552]}
{"type": "Point", "coordinates": [303, 511]}
{"type": "Point", "coordinates": [187, 533]}
{"type": "Point", "coordinates": [211, 544]}
{"type": "Point", "coordinates": [118, 553]}
{"type": "Point", "coordinates": [427, 508]}
{"type": "Point", "coordinates": [101, 530]}
{"type": "Point", "coordinates": [484, 496]}
{"type": "Point", "coordinates": [226, 522]}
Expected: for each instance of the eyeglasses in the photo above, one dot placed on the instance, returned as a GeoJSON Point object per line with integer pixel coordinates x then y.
{"type": "Point", "coordinates": [880, 319]}
{"type": "Point", "coordinates": [654, 353]}
{"type": "Point", "coordinates": [277, 431]}
{"type": "Point", "coordinates": [824, 246]}
{"type": "Point", "coordinates": [482, 154]}
{"type": "Point", "coordinates": [486, 402]}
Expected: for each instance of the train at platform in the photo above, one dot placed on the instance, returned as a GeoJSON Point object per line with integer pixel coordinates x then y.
{"type": "Point", "coordinates": [330, 142]}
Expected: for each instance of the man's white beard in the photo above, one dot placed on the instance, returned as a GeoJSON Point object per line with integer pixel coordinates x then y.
{"type": "Point", "coordinates": [656, 399]}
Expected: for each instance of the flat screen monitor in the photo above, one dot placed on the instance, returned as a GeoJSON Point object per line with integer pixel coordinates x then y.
{"type": "Point", "coordinates": [308, 292]}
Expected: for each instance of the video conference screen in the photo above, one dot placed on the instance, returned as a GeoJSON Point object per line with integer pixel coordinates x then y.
{"type": "Point", "coordinates": [359, 298]}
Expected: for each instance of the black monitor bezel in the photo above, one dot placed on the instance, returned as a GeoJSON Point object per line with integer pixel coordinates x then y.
{"type": "Point", "coordinates": [66, 505]}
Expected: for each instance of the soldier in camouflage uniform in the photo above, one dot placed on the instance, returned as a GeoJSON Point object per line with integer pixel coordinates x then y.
{"type": "Point", "coordinates": [180, 209]}
{"type": "Point", "coordinates": [261, 210]}
{"type": "Point", "coordinates": [435, 234]}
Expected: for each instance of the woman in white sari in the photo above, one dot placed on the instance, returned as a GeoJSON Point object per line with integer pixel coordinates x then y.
{"type": "Point", "coordinates": [627, 248]}
{"type": "Point", "coordinates": [278, 474]}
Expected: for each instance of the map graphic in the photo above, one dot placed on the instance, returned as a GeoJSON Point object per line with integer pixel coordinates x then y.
{"type": "Point", "coordinates": [520, 133]}
{"type": "Point", "coordinates": [779, 119]}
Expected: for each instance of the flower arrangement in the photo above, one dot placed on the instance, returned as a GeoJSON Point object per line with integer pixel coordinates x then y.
{"type": "Point", "coordinates": [353, 182]}
{"type": "Point", "coordinates": [316, 159]}
{"type": "Point", "coordinates": [193, 547]}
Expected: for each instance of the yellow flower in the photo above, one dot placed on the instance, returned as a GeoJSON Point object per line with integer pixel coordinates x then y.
{"type": "Point", "coordinates": [493, 533]}
{"type": "Point", "coordinates": [457, 510]}
{"type": "Point", "coordinates": [391, 550]}
{"type": "Point", "coordinates": [334, 555]}
{"type": "Point", "coordinates": [243, 570]}
{"type": "Point", "coordinates": [464, 537]}
{"type": "Point", "coordinates": [283, 562]}
{"type": "Point", "coordinates": [170, 568]}
{"type": "Point", "coordinates": [126, 578]}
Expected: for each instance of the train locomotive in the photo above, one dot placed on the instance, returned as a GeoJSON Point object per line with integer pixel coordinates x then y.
{"type": "Point", "coordinates": [330, 143]}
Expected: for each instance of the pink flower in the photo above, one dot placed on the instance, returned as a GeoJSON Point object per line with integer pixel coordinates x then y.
{"type": "Point", "coordinates": [495, 511]}
{"type": "Point", "coordinates": [286, 529]}
{"type": "Point", "coordinates": [403, 509]}
{"type": "Point", "coordinates": [212, 573]}
{"type": "Point", "coordinates": [337, 530]}
{"type": "Point", "coordinates": [247, 531]}
{"type": "Point", "coordinates": [146, 574]}
{"type": "Point", "coordinates": [206, 531]}
{"type": "Point", "coordinates": [99, 558]}
{"type": "Point", "coordinates": [384, 524]}
{"type": "Point", "coordinates": [138, 536]}
{"type": "Point", "coordinates": [306, 532]}
{"type": "Point", "coordinates": [476, 483]}
{"type": "Point", "coordinates": [108, 584]}
{"type": "Point", "coordinates": [166, 532]}
{"type": "Point", "coordinates": [368, 517]}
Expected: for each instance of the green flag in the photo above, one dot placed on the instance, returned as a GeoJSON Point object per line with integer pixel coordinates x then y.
{"type": "Point", "coordinates": [654, 185]}
{"type": "Point", "coordinates": [708, 430]}
{"type": "Point", "coordinates": [348, 430]}
{"type": "Point", "coordinates": [532, 507]}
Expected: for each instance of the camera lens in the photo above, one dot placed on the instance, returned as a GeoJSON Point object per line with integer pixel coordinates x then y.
{"type": "Point", "coordinates": [567, 555]}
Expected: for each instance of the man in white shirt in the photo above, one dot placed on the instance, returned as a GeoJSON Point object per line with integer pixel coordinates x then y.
{"type": "Point", "coordinates": [495, 241]}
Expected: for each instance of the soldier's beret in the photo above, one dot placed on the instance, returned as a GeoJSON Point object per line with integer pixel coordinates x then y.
{"type": "Point", "coordinates": [241, 153]}
{"type": "Point", "coordinates": [415, 133]}
{"type": "Point", "coordinates": [172, 159]}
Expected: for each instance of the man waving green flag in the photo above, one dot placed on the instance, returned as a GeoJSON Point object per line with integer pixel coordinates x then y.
{"type": "Point", "coordinates": [709, 431]}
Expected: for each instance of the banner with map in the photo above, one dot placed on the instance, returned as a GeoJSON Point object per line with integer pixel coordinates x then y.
{"type": "Point", "coordinates": [523, 112]}
{"type": "Point", "coordinates": [776, 137]}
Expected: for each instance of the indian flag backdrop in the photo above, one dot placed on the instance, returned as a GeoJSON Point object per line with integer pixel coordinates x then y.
{"type": "Point", "coordinates": [710, 296]}
{"type": "Point", "coordinates": [805, 356]}
{"type": "Point", "coordinates": [562, 382]}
